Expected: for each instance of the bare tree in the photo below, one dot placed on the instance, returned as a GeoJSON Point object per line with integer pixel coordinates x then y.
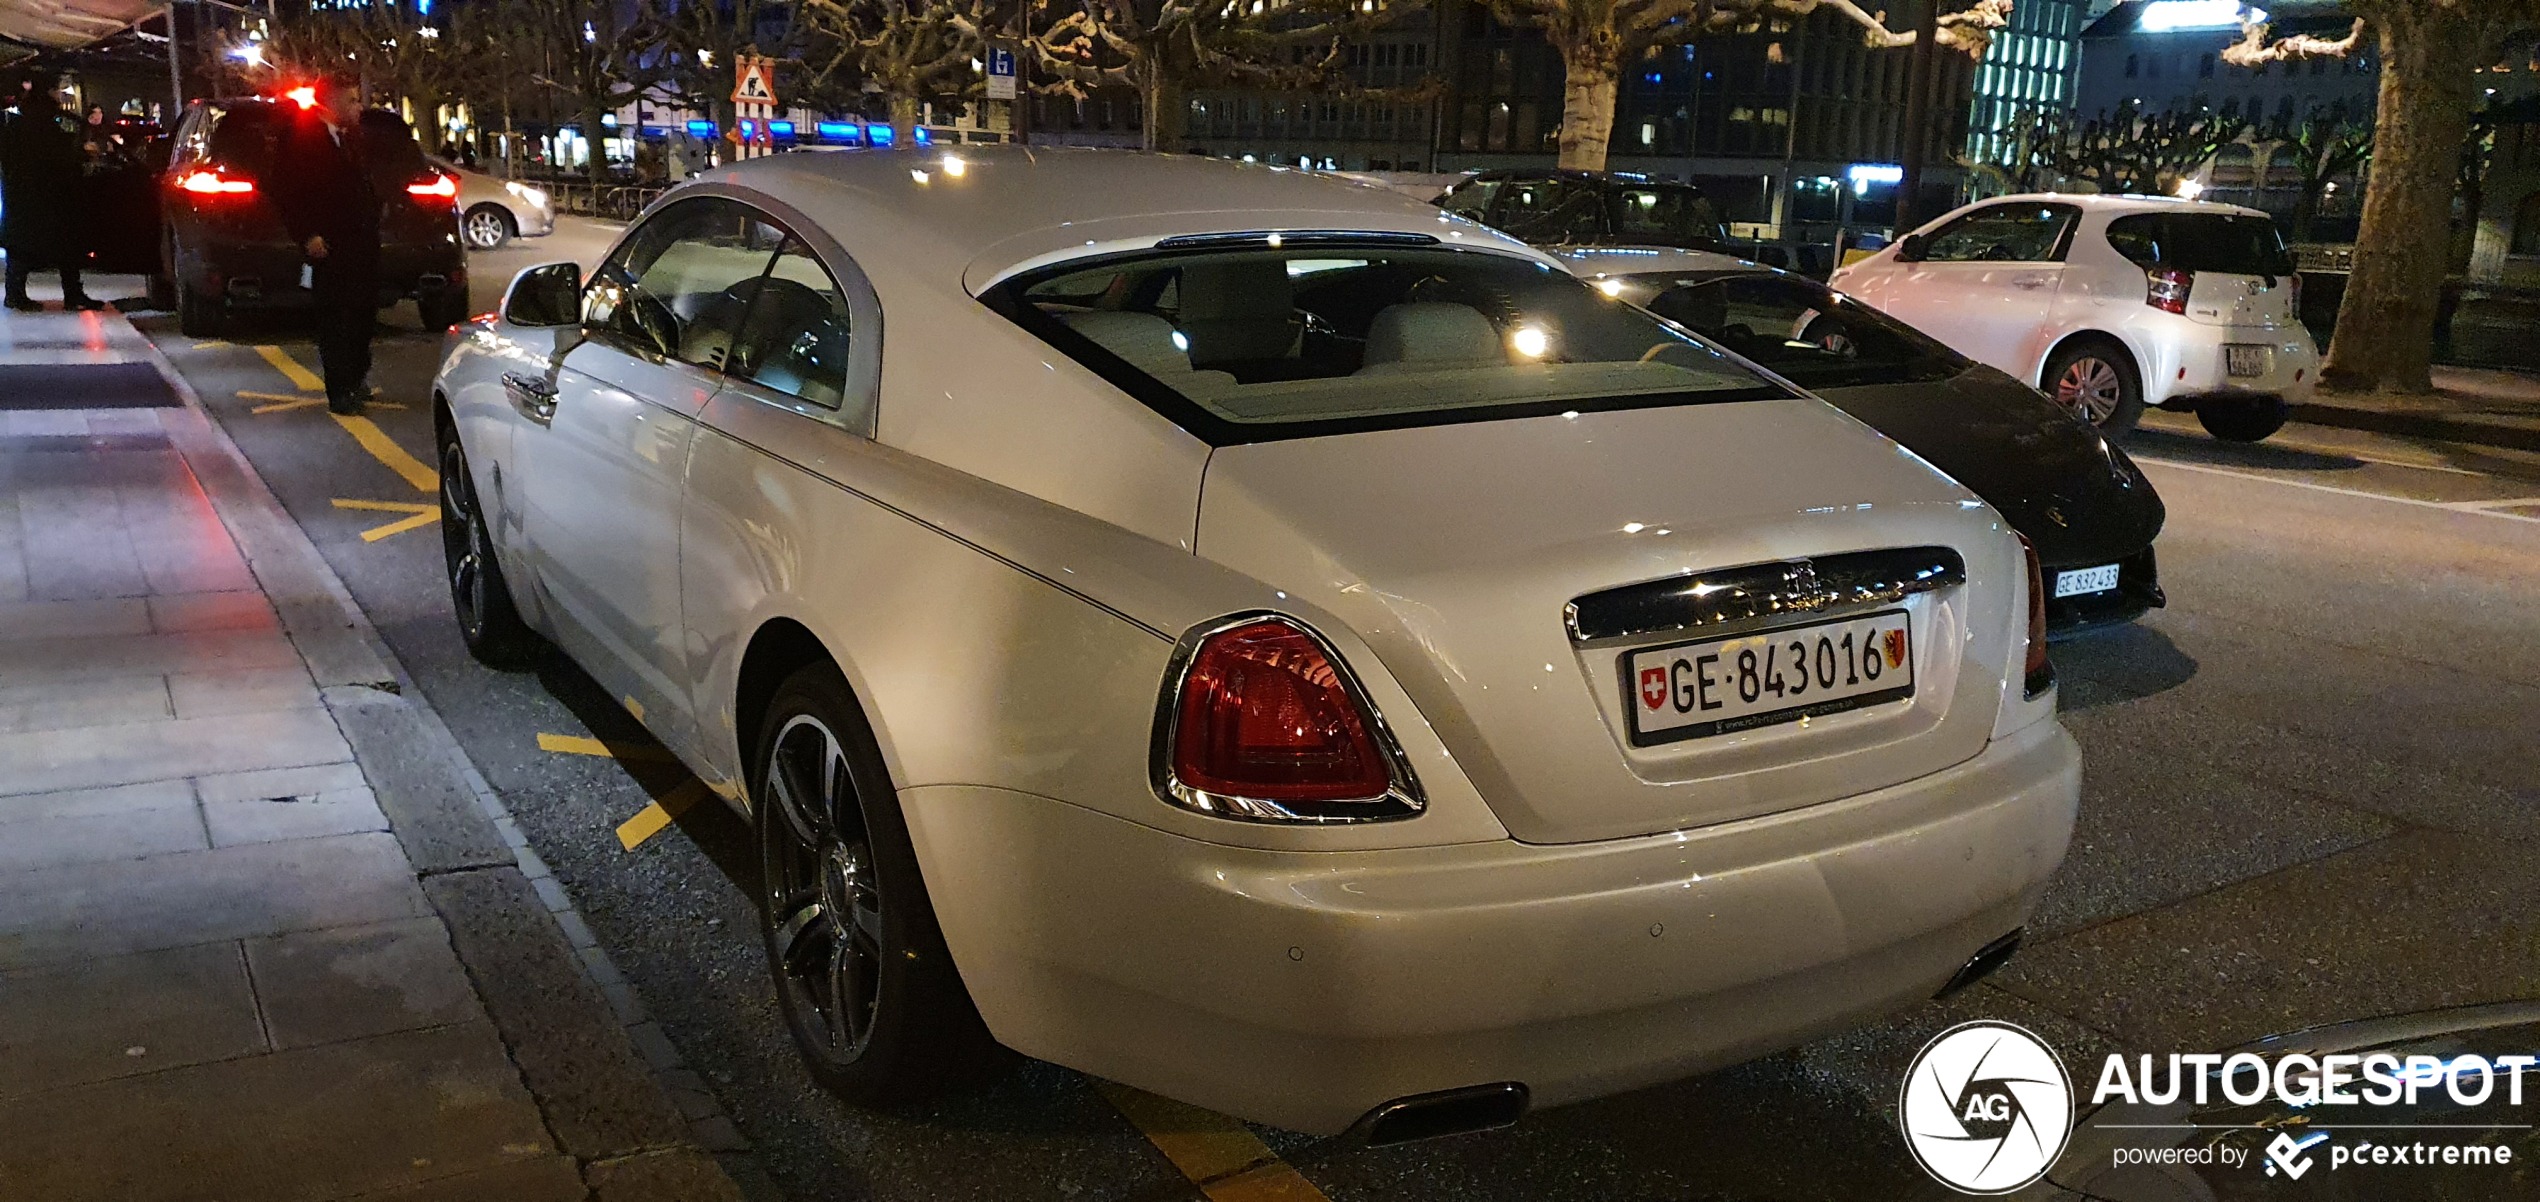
{"type": "Point", "coordinates": [2324, 146]}
{"type": "Point", "coordinates": [1165, 48]}
{"type": "Point", "coordinates": [599, 56]}
{"type": "Point", "coordinates": [702, 39]}
{"type": "Point", "coordinates": [2430, 51]}
{"type": "Point", "coordinates": [2026, 161]}
{"type": "Point", "coordinates": [1597, 37]}
{"type": "Point", "coordinates": [2127, 150]}
{"type": "Point", "coordinates": [908, 49]}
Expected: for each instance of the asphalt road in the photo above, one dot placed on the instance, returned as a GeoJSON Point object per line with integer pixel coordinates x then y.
{"type": "Point", "coordinates": [2310, 797]}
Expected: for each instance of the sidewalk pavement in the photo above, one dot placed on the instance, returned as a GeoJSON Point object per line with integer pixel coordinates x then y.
{"type": "Point", "coordinates": [2470, 404]}
{"type": "Point", "coordinates": [260, 937]}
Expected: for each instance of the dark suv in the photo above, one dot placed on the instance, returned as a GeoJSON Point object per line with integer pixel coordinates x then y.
{"type": "Point", "coordinates": [1551, 207]}
{"type": "Point", "coordinates": [225, 248]}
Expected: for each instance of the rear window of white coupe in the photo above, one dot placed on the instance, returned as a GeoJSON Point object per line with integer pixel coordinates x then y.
{"type": "Point", "coordinates": [1324, 336]}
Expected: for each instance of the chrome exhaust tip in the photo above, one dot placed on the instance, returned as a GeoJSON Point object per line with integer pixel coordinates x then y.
{"type": "Point", "coordinates": [1446, 1112]}
{"type": "Point", "coordinates": [1981, 965]}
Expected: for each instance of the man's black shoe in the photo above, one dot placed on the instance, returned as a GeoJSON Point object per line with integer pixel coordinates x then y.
{"type": "Point", "coordinates": [83, 304]}
{"type": "Point", "coordinates": [26, 304]}
{"type": "Point", "coordinates": [345, 403]}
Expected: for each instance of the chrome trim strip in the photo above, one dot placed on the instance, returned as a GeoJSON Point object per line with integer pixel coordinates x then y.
{"type": "Point", "coordinates": [1723, 596]}
{"type": "Point", "coordinates": [1404, 799]}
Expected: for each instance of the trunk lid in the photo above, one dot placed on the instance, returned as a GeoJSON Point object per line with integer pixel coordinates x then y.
{"type": "Point", "coordinates": [2244, 275]}
{"type": "Point", "coordinates": [1456, 552]}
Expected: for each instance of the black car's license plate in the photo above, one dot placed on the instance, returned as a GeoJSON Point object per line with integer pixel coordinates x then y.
{"type": "Point", "coordinates": [1720, 685]}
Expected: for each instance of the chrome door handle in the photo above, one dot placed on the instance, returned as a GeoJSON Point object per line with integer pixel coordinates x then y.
{"type": "Point", "coordinates": [534, 396]}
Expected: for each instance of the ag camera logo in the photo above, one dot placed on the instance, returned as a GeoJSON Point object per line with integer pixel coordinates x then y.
{"type": "Point", "coordinates": [1986, 1108]}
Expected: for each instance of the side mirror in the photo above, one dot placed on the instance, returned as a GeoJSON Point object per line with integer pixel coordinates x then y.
{"type": "Point", "coordinates": [1913, 248]}
{"type": "Point", "coordinates": [549, 294]}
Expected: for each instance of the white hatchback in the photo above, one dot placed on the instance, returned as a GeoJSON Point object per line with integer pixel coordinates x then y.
{"type": "Point", "coordinates": [2111, 303]}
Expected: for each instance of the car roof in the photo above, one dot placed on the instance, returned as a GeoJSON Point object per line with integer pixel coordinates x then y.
{"type": "Point", "coordinates": [1633, 260]}
{"type": "Point", "coordinates": [971, 216]}
{"type": "Point", "coordinates": [2095, 202]}
{"type": "Point", "coordinates": [1633, 179]}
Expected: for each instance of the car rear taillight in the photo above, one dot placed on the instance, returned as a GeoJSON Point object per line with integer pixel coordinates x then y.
{"type": "Point", "coordinates": [2166, 288]}
{"type": "Point", "coordinates": [435, 186]}
{"type": "Point", "coordinates": [2040, 673]}
{"type": "Point", "coordinates": [1266, 725]}
{"type": "Point", "coordinates": [214, 181]}
{"type": "Point", "coordinates": [2293, 295]}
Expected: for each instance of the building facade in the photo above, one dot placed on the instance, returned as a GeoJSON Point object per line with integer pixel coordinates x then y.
{"type": "Point", "coordinates": [1793, 127]}
{"type": "Point", "coordinates": [2031, 68]}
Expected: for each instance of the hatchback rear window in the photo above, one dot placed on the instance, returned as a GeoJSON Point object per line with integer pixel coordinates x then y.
{"type": "Point", "coordinates": [2222, 243]}
{"type": "Point", "coordinates": [1254, 344]}
{"type": "Point", "coordinates": [247, 135]}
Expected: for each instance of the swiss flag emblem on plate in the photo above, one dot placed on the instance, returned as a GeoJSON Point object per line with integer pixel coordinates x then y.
{"type": "Point", "coordinates": [1653, 687]}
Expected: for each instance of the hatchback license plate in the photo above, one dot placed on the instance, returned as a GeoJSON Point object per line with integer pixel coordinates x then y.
{"type": "Point", "coordinates": [2084, 581]}
{"type": "Point", "coordinates": [2243, 362]}
{"type": "Point", "coordinates": [1722, 685]}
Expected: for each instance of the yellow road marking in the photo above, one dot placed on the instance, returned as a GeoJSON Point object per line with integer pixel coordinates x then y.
{"type": "Point", "coordinates": [301, 378]}
{"type": "Point", "coordinates": [1224, 1159]}
{"type": "Point", "coordinates": [635, 707]}
{"type": "Point", "coordinates": [417, 516]}
{"type": "Point", "coordinates": [211, 344]}
{"type": "Point", "coordinates": [279, 402]}
{"type": "Point", "coordinates": [632, 753]}
{"type": "Point", "coordinates": [386, 450]}
{"type": "Point", "coordinates": [657, 817]}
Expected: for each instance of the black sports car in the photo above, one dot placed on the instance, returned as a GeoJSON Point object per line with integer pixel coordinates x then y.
{"type": "Point", "coordinates": [2086, 508]}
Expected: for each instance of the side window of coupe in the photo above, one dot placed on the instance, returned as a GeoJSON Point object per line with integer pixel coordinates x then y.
{"type": "Point", "coordinates": [679, 287]}
{"type": "Point", "coordinates": [2014, 233]}
{"type": "Point", "coordinates": [796, 338]}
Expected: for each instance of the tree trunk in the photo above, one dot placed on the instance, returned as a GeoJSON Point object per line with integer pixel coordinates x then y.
{"type": "Point", "coordinates": [903, 119]}
{"type": "Point", "coordinates": [1161, 95]}
{"type": "Point", "coordinates": [595, 139]}
{"type": "Point", "coordinates": [2385, 330]}
{"type": "Point", "coordinates": [1589, 67]}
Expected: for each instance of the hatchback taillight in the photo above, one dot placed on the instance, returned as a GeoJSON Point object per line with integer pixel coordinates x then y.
{"type": "Point", "coordinates": [1267, 726]}
{"type": "Point", "coordinates": [214, 181]}
{"type": "Point", "coordinates": [2166, 288]}
{"type": "Point", "coordinates": [2293, 294]}
{"type": "Point", "coordinates": [2040, 674]}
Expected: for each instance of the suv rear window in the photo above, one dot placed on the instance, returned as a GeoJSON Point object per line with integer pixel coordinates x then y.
{"type": "Point", "coordinates": [2221, 243]}
{"type": "Point", "coordinates": [245, 134]}
{"type": "Point", "coordinates": [1254, 344]}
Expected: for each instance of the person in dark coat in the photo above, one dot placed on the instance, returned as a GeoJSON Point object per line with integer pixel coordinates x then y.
{"type": "Point", "coordinates": [39, 200]}
{"type": "Point", "coordinates": [324, 188]}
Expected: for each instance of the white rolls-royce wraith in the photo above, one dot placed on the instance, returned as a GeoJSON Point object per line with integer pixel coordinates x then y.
{"type": "Point", "coordinates": [1255, 637]}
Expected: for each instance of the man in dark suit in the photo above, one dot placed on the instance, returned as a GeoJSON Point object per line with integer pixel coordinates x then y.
{"type": "Point", "coordinates": [40, 200]}
{"type": "Point", "coordinates": [331, 204]}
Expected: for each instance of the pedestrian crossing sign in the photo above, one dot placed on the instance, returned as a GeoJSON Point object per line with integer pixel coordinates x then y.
{"type": "Point", "coordinates": [756, 82]}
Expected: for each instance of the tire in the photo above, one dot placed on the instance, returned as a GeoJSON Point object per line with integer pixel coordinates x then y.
{"type": "Point", "coordinates": [487, 227]}
{"type": "Point", "coordinates": [2243, 419]}
{"type": "Point", "coordinates": [2095, 381]}
{"type": "Point", "coordinates": [442, 308]}
{"type": "Point", "coordinates": [197, 315]}
{"type": "Point", "coordinates": [481, 598]}
{"type": "Point", "coordinates": [878, 1014]}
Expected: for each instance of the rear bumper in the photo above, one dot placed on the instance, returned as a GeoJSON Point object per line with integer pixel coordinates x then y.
{"type": "Point", "coordinates": [1305, 988]}
{"type": "Point", "coordinates": [2190, 364]}
{"type": "Point", "coordinates": [267, 274]}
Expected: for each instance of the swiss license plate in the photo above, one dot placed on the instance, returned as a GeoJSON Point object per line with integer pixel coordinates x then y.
{"type": "Point", "coordinates": [1722, 685]}
{"type": "Point", "coordinates": [2084, 581]}
{"type": "Point", "coordinates": [2242, 362]}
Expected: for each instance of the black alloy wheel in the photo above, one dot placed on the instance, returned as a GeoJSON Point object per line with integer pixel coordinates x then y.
{"type": "Point", "coordinates": [488, 622]}
{"type": "Point", "coordinates": [866, 984]}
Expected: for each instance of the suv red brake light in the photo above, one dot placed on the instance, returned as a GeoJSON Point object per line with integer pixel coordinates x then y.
{"type": "Point", "coordinates": [1265, 725]}
{"type": "Point", "coordinates": [212, 181]}
{"type": "Point", "coordinates": [434, 186]}
{"type": "Point", "coordinates": [2167, 289]}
